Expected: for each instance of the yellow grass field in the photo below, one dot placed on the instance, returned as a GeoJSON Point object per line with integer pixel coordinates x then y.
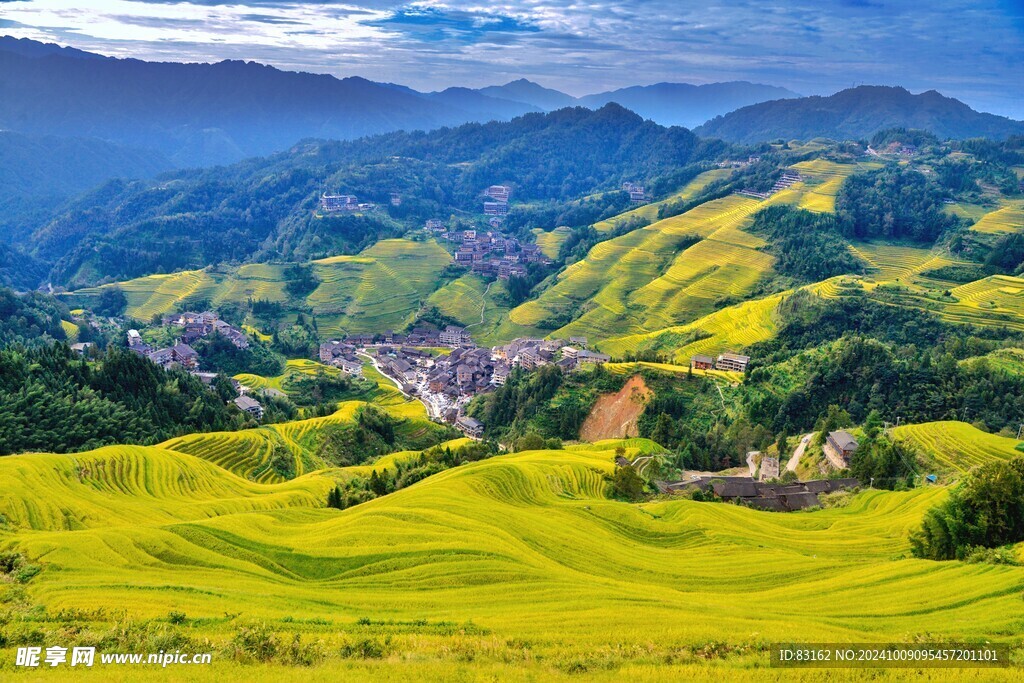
{"type": "Point", "coordinates": [650, 211]}
{"type": "Point", "coordinates": [1007, 219]}
{"type": "Point", "coordinates": [514, 567]}
{"type": "Point", "coordinates": [379, 289]}
{"type": "Point", "coordinates": [956, 446]}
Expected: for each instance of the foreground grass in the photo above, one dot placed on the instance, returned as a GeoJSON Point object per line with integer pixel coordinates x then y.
{"type": "Point", "coordinates": [516, 567]}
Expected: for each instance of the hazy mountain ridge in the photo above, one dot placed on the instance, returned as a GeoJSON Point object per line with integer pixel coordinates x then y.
{"type": "Point", "coordinates": [857, 113]}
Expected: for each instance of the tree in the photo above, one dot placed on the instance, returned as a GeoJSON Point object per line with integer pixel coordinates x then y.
{"type": "Point", "coordinates": [985, 510]}
{"type": "Point", "coordinates": [627, 484]}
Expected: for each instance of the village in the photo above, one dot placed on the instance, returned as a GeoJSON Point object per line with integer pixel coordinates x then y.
{"type": "Point", "coordinates": [445, 382]}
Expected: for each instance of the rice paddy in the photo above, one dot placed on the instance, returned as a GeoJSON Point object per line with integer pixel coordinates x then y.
{"type": "Point", "coordinates": [255, 454]}
{"type": "Point", "coordinates": [650, 211]}
{"type": "Point", "coordinates": [957, 446]}
{"type": "Point", "coordinates": [379, 289]}
{"type": "Point", "coordinates": [539, 573]}
{"type": "Point", "coordinates": [1007, 219]}
{"type": "Point", "coordinates": [652, 278]}
{"type": "Point", "coordinates": [551, 241]}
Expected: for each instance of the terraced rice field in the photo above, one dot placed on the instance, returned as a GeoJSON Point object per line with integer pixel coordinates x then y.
{"type": "Point", "coordinates": [536, 572]}
{"type": "Point", "coordinates": [650, 211]}
{"type": "Point", "coordinates": [1007, 219]}
{"type": "Point", "coordinates": [630, 368]}
{"type": "Point", "coordinates": [820, 195]}
{"type": "Point", "coordinates": [478, 305]}
{"type": "Point", "coordinates": [381, 288]}
{"type": "Point", "coordinates": [551, 241]}
{"type": "Point", "coordinates": [248, 453]}
{"type": "Point", "coordinates": [70, 330]}
{"type": "Point", "coordinates": [729, 329]}
{"type": "Point", "coordinates": [957, 446]}
{"type": "Point", "coordinates": [1007, 360]}
{"type": "Point", "coordinates": [639, 282]}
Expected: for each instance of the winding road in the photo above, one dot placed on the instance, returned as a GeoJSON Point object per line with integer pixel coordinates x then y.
{"type": "Point", "coordinates": [794, 462]}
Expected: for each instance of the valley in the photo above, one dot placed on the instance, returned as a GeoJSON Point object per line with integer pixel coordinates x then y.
{"type": "Point", "coordinates": [501, 383]}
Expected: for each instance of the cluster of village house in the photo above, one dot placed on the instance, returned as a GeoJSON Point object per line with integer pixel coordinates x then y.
{"type": "Point", "coordinates": [446, 382]}
{"type": "Point", "coordinates": [490, 253]}
{"type": "Point", "coordinates": [766, 492]}
{"type": "Point", "coordinates": [181, 354]}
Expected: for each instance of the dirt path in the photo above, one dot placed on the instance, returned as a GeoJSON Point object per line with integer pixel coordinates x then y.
{"type": "Point", "coordinates": [794, 462]}
{"type": "Point", "coordinates": [483, 306]}
{"type": "Point", "coordinates": [615, 416]}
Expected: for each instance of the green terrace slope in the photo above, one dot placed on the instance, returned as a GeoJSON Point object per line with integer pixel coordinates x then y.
{"type": "Point", "coordinates": [134, 485]}
{"type": "Point", "coordinates": [957, 446]}
{"type": "Point", "coordinates": [526, 547]}
{"type": "Point", "coordinates": [251, 453]}
{"type": "Point", "coordinates": [379, 289]}
{"type": "Point", "coordinates": [657, 277]}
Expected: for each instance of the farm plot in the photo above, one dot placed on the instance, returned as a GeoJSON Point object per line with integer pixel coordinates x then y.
{"type": "Point", "coordinates": [957, 446]}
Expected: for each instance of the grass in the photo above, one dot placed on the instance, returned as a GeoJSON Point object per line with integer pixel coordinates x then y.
{"type": "Point", "coordinates": [536, 571]}
{"type": "Point", "coordinates": [1007, 219]}
{"type": "Point", "coordinates": [957, 446]}
{"type": "Point", "coordinates": [650, 211]}
{"type": "Point", "coordinates": [379, 289]}
{"type": "Point", "coordinates": [551, 241]}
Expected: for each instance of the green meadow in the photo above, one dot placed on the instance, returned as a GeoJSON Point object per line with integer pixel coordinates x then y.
{"type": "Point", "coordinates": [519, 566]}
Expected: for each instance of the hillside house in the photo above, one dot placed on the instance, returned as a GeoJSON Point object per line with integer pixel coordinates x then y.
{"type": "Point", "coordinates": [769, 468]}
{"type": "Point", "coordinates": [495, 208]}
{"type": "Point", "coordinates": [249, 405]}
{"type": "Point", "coordinates": [470, 427]}
{"type": "Point", "coordinates": [499, 193]}
{"type": "Point", "coordinates": [134, 339]}
{"type": "Point", "coordinates": [700, 362]}
{"type": "Point", "coordinates": [455, 336]}
{"type": "Point", "coordinates": [592, 357]}
{"type": "Point", "coordinates": [332, 203]}
{"type": "Point", "coordinates": [82, 348]}
{"type": "Point", "coordinates": [733, 362]}
{"type": "Point", "coordinates": [839, 446]}
{"type": "Point", "coordinates": [350, 366]}
{"type": "Point", "coordinates": [185, 356]}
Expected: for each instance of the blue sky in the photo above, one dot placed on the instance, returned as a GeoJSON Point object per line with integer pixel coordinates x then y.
{"type": "Point", "coordinates": [969, 49]}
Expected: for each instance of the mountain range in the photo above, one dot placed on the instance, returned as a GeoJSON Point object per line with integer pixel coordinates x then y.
{"type": "Point", "coordinates": [206, 114]}
{"type": "Point", "coordinates": [856, 114]}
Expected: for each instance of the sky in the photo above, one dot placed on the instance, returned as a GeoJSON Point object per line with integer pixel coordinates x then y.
{"type": "Point", "coordinates": [969, 49]}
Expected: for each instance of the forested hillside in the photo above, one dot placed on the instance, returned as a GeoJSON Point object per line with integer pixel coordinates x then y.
{"type": "Point", "coordinates": [263, 208]}
{"type": "Point", "coordinates": [52, 400]}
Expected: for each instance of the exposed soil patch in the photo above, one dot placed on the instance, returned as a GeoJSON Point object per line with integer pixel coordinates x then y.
{"type": "Point", "coordinates": [614, 416]}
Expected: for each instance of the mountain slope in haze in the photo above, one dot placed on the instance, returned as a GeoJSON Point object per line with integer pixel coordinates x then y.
{"type": "Point", "coordinates": [265, 207]}
{"type": "Point", "coordinates": [481, 106]}
{"type": "Point", "coordinates": [682, 104]}
{"type": "Point", "coordinates": [37, 172]}
{"type": "Point", "coordinates": [857, 113]}
{"type": "Point", "coordinates": [523, 90]}
{"type": "Point", "coordinates": [669, 104]}
{"type": "Point", "coordinates": [204, 114]}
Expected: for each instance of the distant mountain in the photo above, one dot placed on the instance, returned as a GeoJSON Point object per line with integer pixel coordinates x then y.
{"type": "Point", "coordinates": [204, 114]}
{"type": "Point", "coordinates": [482, 107]}
{"type": "Point", "coordinates": [531, 93]}
{"type": "Point", "coordinates": [669, 104]}
{"type": "Point", "coordinates": [31, 48]}
{"type": "Point", "coordinates": [682, 104]}
{"type": "Point", "coordinates": [39, 172]}
{"type": "Point", "coordinates": [858, 113]}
